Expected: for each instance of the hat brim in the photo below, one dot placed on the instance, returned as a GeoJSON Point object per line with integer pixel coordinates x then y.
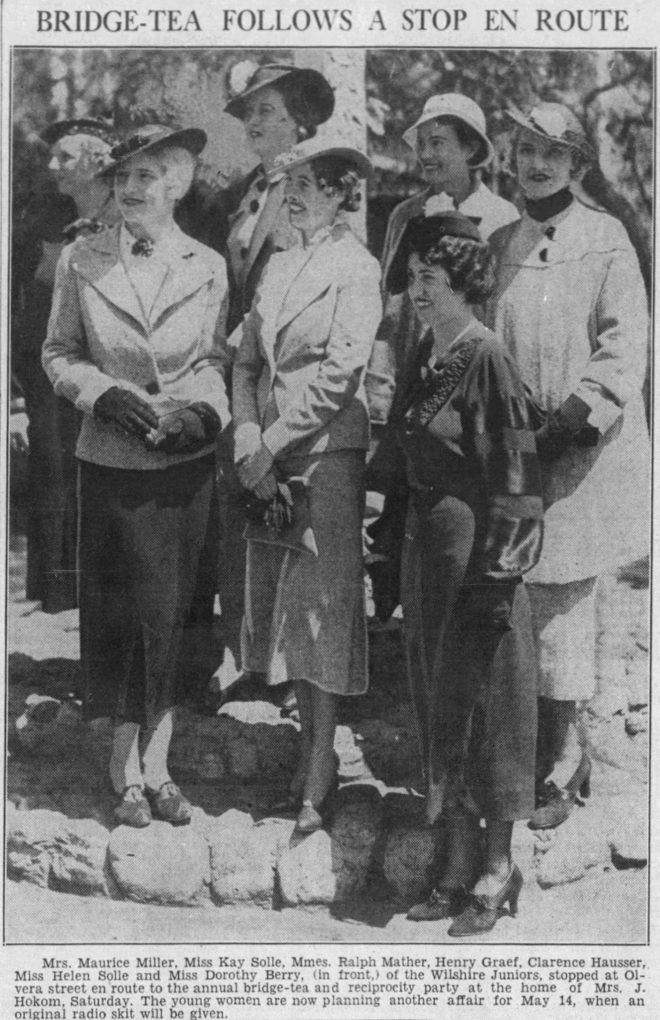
{"type": "Point", "coordinates": [354, 156]}
{"type": "Point", "coordinates": [317, 89]}
{"type": "Point", "coordinates": [78, 126]}
{"type": "Point", "coordinates": [420, 233]}
{"type": "Point", "coordinates": [410, 137]}
{"type": "Point", "coordinates": [519, 118]}
{"type": "Point", "coordinates": [192, 139]}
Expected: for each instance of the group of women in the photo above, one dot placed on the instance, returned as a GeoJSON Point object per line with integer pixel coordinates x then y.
{"type": "Point", "coordinates": [500, 390]}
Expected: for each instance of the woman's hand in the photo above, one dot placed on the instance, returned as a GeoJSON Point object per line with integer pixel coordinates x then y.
{"type": "Point", "coordinates": [127, 410]}
{"type": "Point", "coordinates": [255, 468]}
{"type": "Point", "coordinates": [267, 487]}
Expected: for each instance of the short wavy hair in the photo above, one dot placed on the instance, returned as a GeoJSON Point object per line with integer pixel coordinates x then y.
{"type": "Point", "coordinates": [449, 240]}
{"type": "Point", "coordinates": [339, 175]}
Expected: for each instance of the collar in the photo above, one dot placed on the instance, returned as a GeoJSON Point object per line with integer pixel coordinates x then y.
{"type": "Point", "coordinates": [456, 342]}
{"type": "Point", "coordinates": [542, 209]}
{"type": "Point", "coordinates": [162, 248]}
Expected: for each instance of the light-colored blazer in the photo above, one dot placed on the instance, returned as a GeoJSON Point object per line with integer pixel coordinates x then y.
{"type": "Point", "coordinates": [99, 337]}
{"type": "Point", "coordinates": [303, 349]}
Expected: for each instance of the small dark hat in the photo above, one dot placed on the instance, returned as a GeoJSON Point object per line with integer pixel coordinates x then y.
{"type": "Point", "coordinates": [80, 126]}
{"type": "Point", "coordinates": [421, 234]}
{"type": "Point", "coordinates": [151, 136]}
{"type": "Point", "coordinates": [312, 85]}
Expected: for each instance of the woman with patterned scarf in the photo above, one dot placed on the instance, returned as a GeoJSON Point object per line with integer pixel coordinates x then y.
{"type": "Point", "coordinates": [474, 527]}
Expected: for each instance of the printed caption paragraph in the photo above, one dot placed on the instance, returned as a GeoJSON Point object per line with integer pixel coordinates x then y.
{"type": "Point", "coordinates": [222, 987]}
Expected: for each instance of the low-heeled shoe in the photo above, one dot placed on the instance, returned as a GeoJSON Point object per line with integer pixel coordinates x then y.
{"type": "Point", "coordinates": [169, 804]}
{"type": "Point", "coordinates": [133, 811]}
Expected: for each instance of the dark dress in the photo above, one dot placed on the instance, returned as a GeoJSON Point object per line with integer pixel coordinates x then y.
{"type": "Point", "coordinates": [474, 527]}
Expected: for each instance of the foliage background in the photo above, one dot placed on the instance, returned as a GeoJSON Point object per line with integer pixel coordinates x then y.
{"type": "Point", "coordinates": [611, 91]}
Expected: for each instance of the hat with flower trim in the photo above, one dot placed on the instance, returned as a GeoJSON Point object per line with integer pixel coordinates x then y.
{"type": "Point", "coordinates": [315, 148]}
{"type": "Point", "coordinates": [150, 136]}
{"type": "Point", "coordinates": [556, 123]}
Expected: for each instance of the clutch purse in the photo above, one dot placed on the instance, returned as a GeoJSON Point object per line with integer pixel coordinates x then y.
{"type": "Point", "coordinates": [285, 520]}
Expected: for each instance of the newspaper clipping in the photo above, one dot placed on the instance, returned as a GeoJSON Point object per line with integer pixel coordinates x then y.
{"type": "Point", "coordinates": [327, 339]}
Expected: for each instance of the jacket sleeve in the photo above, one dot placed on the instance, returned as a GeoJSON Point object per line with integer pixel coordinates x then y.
{"type": "Point", "coordinates": [210, 367]}
{"type": "Point", "coordinates": [498, 432]}
{"type": "Point", "coordinates": [356, 315]}
{"type": "Point", "coordinates": [615, 370]}
{"type": "Point", "coordinates": [65, 357]}
{"type": "Point", "coordinates": [247, 368]}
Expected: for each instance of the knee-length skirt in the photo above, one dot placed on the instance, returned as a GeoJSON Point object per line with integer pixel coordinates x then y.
{"type": "Point", "coordinates": [305, 614]}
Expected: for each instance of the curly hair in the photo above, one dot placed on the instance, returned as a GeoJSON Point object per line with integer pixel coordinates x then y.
{"type": "Point", "coordinates": [468, 265]}
{"type": "Point", "coordinates": [339, 175]}
{"type": "Point", "coordinates": [452, 241]}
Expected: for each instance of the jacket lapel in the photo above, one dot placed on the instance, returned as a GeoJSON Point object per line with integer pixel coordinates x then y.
{"type": "Point", "coordinates": [102, 267]}
{"type": "Point", "coordinates": [314, 277]}
{"type": "Point", "coordinates": [188, 270]}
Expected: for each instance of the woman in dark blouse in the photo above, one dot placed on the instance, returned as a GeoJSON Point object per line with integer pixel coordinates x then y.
{"type": "Point", "coordinates": [472, 530]}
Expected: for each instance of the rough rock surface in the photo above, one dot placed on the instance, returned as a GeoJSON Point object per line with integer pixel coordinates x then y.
{"type": "Point", "coordinates": [409, 861]}
{"type": "Point", "coordinates": [160, 864]}
{"type": "Point", "coordinates": [49, 849]}
{"type": "Point", "coordinates": [244, 857]}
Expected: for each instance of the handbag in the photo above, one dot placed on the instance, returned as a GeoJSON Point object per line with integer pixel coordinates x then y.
{"type": "Point", "coordinates": [284, 521]}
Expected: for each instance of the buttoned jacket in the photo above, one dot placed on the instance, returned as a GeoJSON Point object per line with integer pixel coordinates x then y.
{"type": "Point", "coordinates": [99, 336]}
{"type": "Point", "coordinates": [301, 353]}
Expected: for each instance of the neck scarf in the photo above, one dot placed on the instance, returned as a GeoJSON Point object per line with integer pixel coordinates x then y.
{"type": "Point", "coordinates": [542, 209]}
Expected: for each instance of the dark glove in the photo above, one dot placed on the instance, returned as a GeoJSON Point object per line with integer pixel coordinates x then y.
{"type": "Point", "coordinates": [490, 602]}
{"type": "Point", "coordinates": [126, 410]}
{"type": "Point", "coordinates": [187, 430]}
{"type": "Point", "coordinates": [567, 425]}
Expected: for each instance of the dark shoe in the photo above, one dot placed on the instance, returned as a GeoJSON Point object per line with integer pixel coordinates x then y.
{"type": "Point", "coordinates": [483, 912]}
{"type": "Point", "coordinates": [133, 810]}
{"type": "Point", "coordinates": [440, 904]}
{"type": "Point", "coordinates": [557, 804]}
{"type": "Point", "coordinates": [169, 804]}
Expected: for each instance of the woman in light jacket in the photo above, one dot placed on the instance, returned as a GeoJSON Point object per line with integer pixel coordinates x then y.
{"type": "Point", "coordinates": [135, 342]}
{"type": "Point", "coordinates": [301, 419]}
{"type": "Point", "coordinates": [570, 306]}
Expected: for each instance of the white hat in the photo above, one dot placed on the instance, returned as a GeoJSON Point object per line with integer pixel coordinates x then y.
{"type": "Point", "coordinates": [453, 104]}
{"type": "Point", "coordinates": [317, 146]}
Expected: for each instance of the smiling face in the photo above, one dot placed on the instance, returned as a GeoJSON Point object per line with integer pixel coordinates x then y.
{"type": "Point", "coordinates": [310, 206]}
{"type": "Point", "coordinates": [143, 191]}
{"type": "Point", "coordinates": [428, 288]}
{"type": "Point", "coordinates": [444, 158]}
{"type": "Point", "coordinates": [544, 166]}
{"type": "Point", "coordinates": [269, 126]}
{"type": "Point", "coordinates": [74, 161]}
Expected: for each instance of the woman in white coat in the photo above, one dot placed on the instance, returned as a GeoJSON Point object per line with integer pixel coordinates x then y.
{"type": "Point", "coordinates": [570, 306]}
{"type": "Point", "coordinates": [301, 420]}
{"type": "Point", "coordinates": [135, 341]}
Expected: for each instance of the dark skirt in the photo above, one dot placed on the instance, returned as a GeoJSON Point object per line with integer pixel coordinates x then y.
{"type": "Point", "coordinates": [473, 683]}
{"type": "Point", "coordinates": [143, 536]}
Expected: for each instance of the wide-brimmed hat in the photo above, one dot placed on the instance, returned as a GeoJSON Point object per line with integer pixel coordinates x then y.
{"type": "Point", "coordinates": [557, 123]}
{"type": "Point", "coordinates": [79, 126]}
{"type": "Point", "coordinates": [246, 78]}
{"type": "Point", "coordinates": [421, 233]}
{"type": "Point", "coordinates": [453, 104]}
{"type": "Point", "coordinates": [314, 148]}
{"type": "Point", "coordinates": [151, 136]}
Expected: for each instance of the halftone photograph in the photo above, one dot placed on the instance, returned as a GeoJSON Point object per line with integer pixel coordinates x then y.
{"type": "Point", "coordinates": [329, 500]}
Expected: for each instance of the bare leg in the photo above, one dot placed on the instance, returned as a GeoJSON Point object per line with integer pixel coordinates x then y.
{"type": "Point", "coordinates": [157, 745]}
{"type": "Point", "coordinates": [125, 758]}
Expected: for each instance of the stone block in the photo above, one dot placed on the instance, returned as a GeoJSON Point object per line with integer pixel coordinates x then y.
{"type": "Point", "coordinates": [33, 838]}
{"type": "Point", "coordinates": [160, 864]}
{"type": "Point", "coordinates": [244, 857]}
